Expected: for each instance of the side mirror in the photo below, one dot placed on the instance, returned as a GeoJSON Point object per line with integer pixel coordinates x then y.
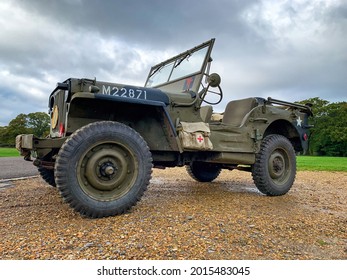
{"type": "Point", "coordinates": [214, 80]}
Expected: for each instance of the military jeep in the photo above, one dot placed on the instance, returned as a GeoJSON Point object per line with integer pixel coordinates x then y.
{"type": "Point", "coordinates": [105, 138]}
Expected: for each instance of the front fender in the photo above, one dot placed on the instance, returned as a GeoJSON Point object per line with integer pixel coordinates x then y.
{"type": "Point", "coordinates": [292, 131]}
{"type": "Point", "coordinates": [148, 117]}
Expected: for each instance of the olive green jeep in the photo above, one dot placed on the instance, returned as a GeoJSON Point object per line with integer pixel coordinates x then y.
{"type": "Point", "coordinates": [106, 137]}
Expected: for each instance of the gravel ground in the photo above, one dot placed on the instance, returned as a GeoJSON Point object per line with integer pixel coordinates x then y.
{"type": "Point", "coordinates": [179, 218]}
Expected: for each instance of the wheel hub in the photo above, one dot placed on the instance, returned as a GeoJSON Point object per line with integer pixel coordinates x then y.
{"type": "Point", "coordinates": [107, 169]}
{"type": "Point", "coordinates": [277, 165]}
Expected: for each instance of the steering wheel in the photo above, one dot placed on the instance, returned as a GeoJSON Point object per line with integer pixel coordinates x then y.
{"type": "Point", "coordinates": [213, 80]}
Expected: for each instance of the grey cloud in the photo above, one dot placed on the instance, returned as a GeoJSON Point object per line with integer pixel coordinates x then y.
{"type": "Point", "coordinates": [294, 52]}
{"type": "Point", "coordinates": [155, 22]}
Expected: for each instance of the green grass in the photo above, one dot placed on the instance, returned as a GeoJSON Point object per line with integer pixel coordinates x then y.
{"type": "Point", "coordinates": [311, 163]}
{"type": "Point", "coordinates": [9, 152]}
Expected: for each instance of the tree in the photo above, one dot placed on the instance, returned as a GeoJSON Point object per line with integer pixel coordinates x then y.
{"type": "Point", "coordinates": [33, 123]}
{"type": "Point", "coordinates": [329, 134]}
{"type": "Point", "coordinates": [16, 126]}
{"type": "Point", "coordinates": [331, 131]}
{"type": "Point", "coordinates": [39, 123]}
{"type": "Point", "coordinates": [2, 133]}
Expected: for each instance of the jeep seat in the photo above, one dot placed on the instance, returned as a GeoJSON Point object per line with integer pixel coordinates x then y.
{"type": "Point", "coordinates": [236, 110]}
{"type": "Point", "coordinates": [206, 113]}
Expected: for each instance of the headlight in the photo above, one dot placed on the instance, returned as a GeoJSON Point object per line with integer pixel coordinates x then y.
{"type": "Point", "coordinates": [54, 118]}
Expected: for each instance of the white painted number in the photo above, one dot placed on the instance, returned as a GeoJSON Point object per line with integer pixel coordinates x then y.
{"type": "Point", "coordinates": [125, 92]}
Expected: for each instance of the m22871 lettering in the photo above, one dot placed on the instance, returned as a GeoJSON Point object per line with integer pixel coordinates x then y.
{"type": "Point", "coordinates": [125, 92]}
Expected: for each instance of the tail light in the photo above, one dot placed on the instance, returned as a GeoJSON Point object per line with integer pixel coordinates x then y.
{"type": "Point", "coordinates": [61, 130]}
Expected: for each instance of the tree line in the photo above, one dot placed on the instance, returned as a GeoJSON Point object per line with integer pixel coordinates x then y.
{"type": "Point", "coordinates": [328, 137]}
{"type": "Point", "coordinates": [33, 123]}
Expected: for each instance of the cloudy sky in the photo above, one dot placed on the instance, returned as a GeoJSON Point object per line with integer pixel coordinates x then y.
{"type": "Point", "coordinates": [287, 49]}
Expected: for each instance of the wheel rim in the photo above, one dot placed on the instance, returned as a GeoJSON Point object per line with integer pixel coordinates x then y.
{"type": "Point", "coordinates": [279, 166]}
{"type": "Point", "coordinates": [107, 171]}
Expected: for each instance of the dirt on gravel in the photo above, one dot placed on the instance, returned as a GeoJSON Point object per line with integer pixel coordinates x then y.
{"type": "Point", "coordinates": [179, 218]}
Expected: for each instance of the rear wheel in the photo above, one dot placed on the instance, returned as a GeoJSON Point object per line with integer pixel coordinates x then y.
{"type": "Point", "coordinates": [203, 171]}
{"type": "Point", "coordinates": [103, 169]}
{"type": "Point", "coordinates": [275, 167]}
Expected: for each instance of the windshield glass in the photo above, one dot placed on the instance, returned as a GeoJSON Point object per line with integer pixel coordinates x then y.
{"type": "Point", "coordinates": [161, 75]}
{"type": "Point", "coordinates": [186, 65]}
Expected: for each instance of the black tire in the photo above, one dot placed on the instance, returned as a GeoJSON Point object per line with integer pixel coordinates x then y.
{"type": "Point", "coordinates": [103, 169]}
{"type": "Point", "coordinates": [203, 171]}
{"type": "Point", "coordinates": [47, 175]}
{"type": "Point", "coordinates": [274, 169]}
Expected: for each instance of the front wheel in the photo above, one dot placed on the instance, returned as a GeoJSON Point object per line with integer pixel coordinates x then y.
{"type": "Point", "coordinates": [275, 167]}
{"type": "Point", "coordinates": [103, 169]}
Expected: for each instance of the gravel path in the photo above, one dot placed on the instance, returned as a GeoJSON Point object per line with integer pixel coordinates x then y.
{"type": "Point", "coordinates": [179, 218]}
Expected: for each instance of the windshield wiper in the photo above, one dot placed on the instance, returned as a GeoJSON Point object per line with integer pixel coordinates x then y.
{"type": "Point", "coordinates": [178, 62]}
{"type": "Point", "coordinates": [156, 70]}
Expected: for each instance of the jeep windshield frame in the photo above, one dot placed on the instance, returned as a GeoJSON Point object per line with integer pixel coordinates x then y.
{"type": "Point", "coordinates": [189, 65]}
